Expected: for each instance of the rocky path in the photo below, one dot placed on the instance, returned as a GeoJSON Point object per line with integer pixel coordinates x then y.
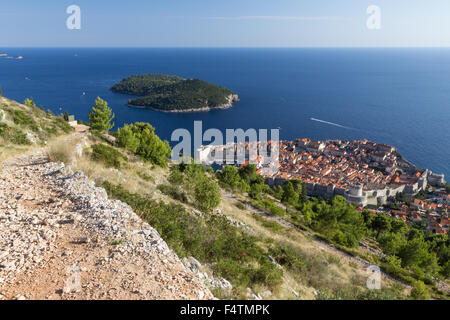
{"type": "Point", "coordinates": [61, 238]}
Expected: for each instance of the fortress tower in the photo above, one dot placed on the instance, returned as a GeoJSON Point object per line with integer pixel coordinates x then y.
{"type": "Point", "coordinates": [356, 190]}
{"type": "Point", "coordinates": [356, 195]}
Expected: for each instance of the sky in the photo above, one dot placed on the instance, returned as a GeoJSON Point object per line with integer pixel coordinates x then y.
{"type": "Point", "coordinates": [225, 23]}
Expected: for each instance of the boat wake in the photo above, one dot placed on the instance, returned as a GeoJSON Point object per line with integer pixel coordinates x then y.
{"type": "Point", "coordinates": [332, 124]}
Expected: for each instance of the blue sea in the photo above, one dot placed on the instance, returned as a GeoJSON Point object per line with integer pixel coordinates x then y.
{"type": "Point", "coordinates": [399, 97]}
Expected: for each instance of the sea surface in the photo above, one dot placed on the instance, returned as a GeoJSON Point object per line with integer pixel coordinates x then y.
{"type": "Point", "coordinates": [399, 97]}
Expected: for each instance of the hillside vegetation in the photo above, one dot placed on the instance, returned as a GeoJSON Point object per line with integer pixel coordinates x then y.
{"type": "Point", "coordinates": [172, 93]}
{"type": "Point", "coordinates": [142, 85]}
{"type": "Point", "coordinates": [272, 243]}
{"type": "Point", "coordinates": [25, 126]}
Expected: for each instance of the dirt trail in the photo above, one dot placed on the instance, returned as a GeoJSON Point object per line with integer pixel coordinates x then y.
{"type": "Point", "coordinates": [61, 238]}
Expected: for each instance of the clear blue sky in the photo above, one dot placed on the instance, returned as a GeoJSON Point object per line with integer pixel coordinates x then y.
{"type": "Point", "coordinates": [224, 23]}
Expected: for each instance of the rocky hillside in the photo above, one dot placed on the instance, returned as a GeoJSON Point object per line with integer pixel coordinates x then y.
{"type": "Point", "coordinates": [61, 238]}
{"type": "Point", "coordinates": [24, 127]}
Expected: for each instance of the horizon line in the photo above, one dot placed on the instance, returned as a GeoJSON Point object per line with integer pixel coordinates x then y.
{"type": "Point", "coordinates": [229, 47]}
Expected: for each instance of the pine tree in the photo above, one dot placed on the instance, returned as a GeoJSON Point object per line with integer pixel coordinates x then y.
{"type": "Point", "coordinates": [101, 116]}
{"type": "Point", "coordinates": [66, 116]}
{"type": "Point", "coordinates": [303, 196]}
{"type": "Point", "coordinates": [1, 92]}
{"type": "Point", "coordinates": [289, 194]}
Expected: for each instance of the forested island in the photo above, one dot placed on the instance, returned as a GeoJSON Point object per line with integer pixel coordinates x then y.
{"type": "Point", "coordinates": [175, 94]}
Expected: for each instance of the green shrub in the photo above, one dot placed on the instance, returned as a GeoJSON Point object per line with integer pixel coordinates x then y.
{"type": "Point", "coordinates": [107, 155]}
{"type": "Point", "coordinates": [173, 192]}
{"type": "Point", "coordinates": [420, 291]}
{"type": "Point", "coordinates": [230, 178]}
{"type": "Point", "coordinates": [207, 194]}
{"type": "Point", "coordinates": [446, 269]}
{"type": "Point", "coordinates": [29, 102]}
{"type": "Point", "coordinates": [52, 131]}
{"type": "Point", "coordinates": [117, 242]}
{"type": "Point", "coordinates": [392, 267]}
{"type": "Point", "coordinates": [276, 210]}
{"type": "Point", "coordinates": [288, 257]}
{"type": "Point", "coordinates": [21, 118]}
{"type": "Point", "coordinates": [212, 239]}
{"type": "Point", "coordinates": [255, 191]}
{"type": "Point", "coordinates": [13, 135]}
{"type": "Point", "coordinates": [269, 206]}
{"type": "Point", "coordinates": [176, 176]}
{"type": "Point", "coordinates": [231, 269]}
{"type": "Point", "coordinates": [198, 185]}
{"type": "Point", "coordinates": [289, 194]}
{"type": "Point", "coordinates": [355, 293]}
{"type": "Point", "coordinates": [146, 177]}
{"type": "Point", "coordinates": [243, 179]}
{"type": "Point", "coordinates": [140, 138]}
{"type": "Point", "coordinates": [240, 205]}
{"type": "Point", "coordinates": [273, 226]}
{"type": "Point", "coordinates": [63, 125]}
{"type": "Point", "coordinates": [266, 273]}
{"type": "Point", "coordinates": [127, 139]}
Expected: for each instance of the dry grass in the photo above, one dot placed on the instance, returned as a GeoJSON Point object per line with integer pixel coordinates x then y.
{"type": "Point", "coordinates": [7, 152]}
{"type": "Point", "coordinates": [135, 176]}
{"type": "Point", "coordinates": [63, 150]}
{"type": "Point", "coordinates": [129, 177]}
{"type": "Point", "coordinates": [41, 127]}
{"type": "Point", "coordinates": [326, 268]}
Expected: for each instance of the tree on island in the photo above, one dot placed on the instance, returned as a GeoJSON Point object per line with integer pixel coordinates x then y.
{"type": "Point", "coordinates": [101, 116]}
{"type": "Point", "coordinates": [1, 92]}
{"type": "Point", "coordinates": [172, 93]}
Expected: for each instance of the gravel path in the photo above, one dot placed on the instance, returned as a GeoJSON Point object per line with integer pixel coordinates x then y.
{"type": "Point", "coordinates": [61, 238]}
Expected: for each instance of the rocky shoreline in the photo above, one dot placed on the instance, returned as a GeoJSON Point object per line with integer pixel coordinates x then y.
{"type": "Point", "coordinates": [231, 99]}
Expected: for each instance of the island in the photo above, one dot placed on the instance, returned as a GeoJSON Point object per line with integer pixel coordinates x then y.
{"type": "Point", "coordinates": [175, 94]}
